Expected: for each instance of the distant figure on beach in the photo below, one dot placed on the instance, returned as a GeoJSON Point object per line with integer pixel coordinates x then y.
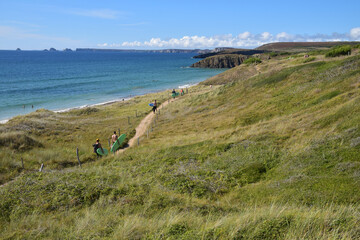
{"type": "Point", "coordinates": [114, 137]}
{"type": "Point", "coordinates": [154, 106]}
{"type": "Point", "coordinates": [96, 146]}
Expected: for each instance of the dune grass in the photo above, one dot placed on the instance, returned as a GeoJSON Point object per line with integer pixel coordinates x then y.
{"type": "Point", "coordinates": [273, 155]}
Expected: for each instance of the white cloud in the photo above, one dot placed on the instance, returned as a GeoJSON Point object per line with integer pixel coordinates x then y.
{"type": "Point", "coordinates": [244, 35]}
{"type": "Point", "coordinates": [265, 36]}
{"type": "Point", "coordinates": [242, 40]}
{"type": "Point", "coordinates": [355, 33]}
{"type": "Point", "coordinates": [97, 13]}
{"type": "Point", "coordinates": [283, 36]}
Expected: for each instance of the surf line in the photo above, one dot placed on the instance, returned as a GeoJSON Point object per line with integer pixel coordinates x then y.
{"type": "Point", "coordinates": [141, 128]}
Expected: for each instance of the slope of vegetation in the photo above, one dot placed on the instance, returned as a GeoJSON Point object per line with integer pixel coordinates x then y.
{"type": "Point", "coordinates": [272, 154]}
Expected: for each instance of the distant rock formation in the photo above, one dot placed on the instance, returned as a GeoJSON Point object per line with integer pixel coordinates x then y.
{"type": "Point", "coordinates": [52, 50]}
{"type": "Point", "coordinates": [18, 49]}
{"type": "Point", "coordinates": [220, 61]}
{"type": "Point", "coordinates": [67, 50]}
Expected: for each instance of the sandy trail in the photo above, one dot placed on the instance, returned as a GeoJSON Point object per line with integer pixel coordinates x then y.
{"type": "Point", "coordinates": [141, 128]}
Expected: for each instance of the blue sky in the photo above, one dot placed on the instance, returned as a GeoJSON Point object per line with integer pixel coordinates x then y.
{"type": "Point", "coordinates": [157, 24]}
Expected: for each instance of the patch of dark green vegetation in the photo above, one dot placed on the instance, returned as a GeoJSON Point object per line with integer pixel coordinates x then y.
{"type": "Point", "coordinates": [252, 60]}
{"type": "Point", "coordinates": [339, 51]}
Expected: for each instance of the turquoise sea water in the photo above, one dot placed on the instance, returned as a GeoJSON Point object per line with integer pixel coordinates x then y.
{"type": "Point", "coordinates": [62, 80]}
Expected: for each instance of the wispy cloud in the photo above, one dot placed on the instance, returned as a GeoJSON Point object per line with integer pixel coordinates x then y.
{"type": "Point", "coordinates": [245, 39]}
{"type": "Point", "coordinates": [22, 24]}
{"type": "Point", "coordinates": [10, 33]}
{"type": "Point", "coordinates": [96, 13]}
{"type": "Point", "coordinates": [132, 24]}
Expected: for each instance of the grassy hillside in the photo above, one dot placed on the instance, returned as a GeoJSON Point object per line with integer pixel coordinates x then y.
{"type": "Point", "coordinates": [272, 152]}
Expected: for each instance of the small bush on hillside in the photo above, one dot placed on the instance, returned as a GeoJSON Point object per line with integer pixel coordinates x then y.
{"type": "Point", "coordinates": [18, 141]}
{"type": "Point", "coordinates": [86, 111]}
{"type": "Point", "coordinates": [252, 60]}
{"type": "Point", "coordinates": [339, 51]}
{"type": "Point", "coordinates": [309, 59]}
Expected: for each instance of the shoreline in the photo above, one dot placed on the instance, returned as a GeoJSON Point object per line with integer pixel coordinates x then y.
{"type": "Point", "coordinates": [4, 121]}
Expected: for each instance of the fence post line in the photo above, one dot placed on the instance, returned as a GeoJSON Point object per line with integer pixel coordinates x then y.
{"type": "Point", "coordinates": [77, 154]}
{"type": "Point", "coordinates": [41, 168]}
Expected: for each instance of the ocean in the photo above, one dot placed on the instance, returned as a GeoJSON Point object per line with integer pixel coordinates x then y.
{"type": "Point", "coordinates": [59, 81]}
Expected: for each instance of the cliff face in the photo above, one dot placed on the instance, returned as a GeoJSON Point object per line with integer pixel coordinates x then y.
{"type": "Point", "coordinates": [220, 61]}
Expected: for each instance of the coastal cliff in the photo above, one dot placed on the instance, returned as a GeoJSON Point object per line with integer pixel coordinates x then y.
{"type": "Point", "coordinates": [220, 61]}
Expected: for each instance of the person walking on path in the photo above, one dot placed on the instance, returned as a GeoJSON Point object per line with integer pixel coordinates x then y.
{"type": "Point", "coordinates": [154, 106]}
{"type": "Point", "coordinates": [114, 137]}
{"type": "Point", "coordinates": [173, 93]}
{"type": "Point", "coordinates": [96, 146]}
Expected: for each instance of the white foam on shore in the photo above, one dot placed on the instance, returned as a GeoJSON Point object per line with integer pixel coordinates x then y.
{"type": "Point", "coordinates": [188, 85]}
{"type": "Point", "coordinates": [4, 121]}
{"type": "Point", "coordinates": [92, 105]}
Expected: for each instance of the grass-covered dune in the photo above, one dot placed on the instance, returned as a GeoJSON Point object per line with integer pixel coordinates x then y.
{"type": "Point", "coordinates": [270, 151]}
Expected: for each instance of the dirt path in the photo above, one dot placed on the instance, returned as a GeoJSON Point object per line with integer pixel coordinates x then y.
{"type": "Point", "coordinates": [141, 128]}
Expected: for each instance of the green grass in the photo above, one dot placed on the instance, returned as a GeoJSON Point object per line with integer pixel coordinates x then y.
{"type": "Point", "coordinates": [268, 154]}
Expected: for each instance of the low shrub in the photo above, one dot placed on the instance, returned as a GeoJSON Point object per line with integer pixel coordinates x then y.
{"type": "Point", "coordinates": [339, 51]}
{"type": "Point", "coordinates": [18, 141]}
{"type": "Point", "coordinates": [252, 60]}
{"type": "Point", "coordinates": [309, 59]}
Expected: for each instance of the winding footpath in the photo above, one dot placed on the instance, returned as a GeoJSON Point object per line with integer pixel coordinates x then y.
{"type": "Point", "coordinates": [141, 128]}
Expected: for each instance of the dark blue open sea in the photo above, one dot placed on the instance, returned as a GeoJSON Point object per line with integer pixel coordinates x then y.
{"type": "Point", "coordinates": [62, 80]}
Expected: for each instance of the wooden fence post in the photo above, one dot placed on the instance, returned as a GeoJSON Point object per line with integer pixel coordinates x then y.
{"type": "Point", "coordinates": [41, 168]}
{"type": "Point", "coordinates": [119, 131]}
{"type": "Point", "coordinates": [22, 163]}
{"type": "Point", "coordinates": [109, 142]}
{"type": "Point", "coordinates": [159, 111]}
{"type": "Point", "coordinates": [77, 155]}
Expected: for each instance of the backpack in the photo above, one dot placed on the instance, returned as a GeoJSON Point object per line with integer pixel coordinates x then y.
{"type": "Point", "coordinates": [96, 146]}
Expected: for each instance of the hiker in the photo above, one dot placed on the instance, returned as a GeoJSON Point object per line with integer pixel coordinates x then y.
{"type": "Point", "coordinates": [114, 137]}
{"type": "Point", "coordinates": [173, 93]}
{"type": "Point", "coordinates": [154, 106]}
{"type": "Point", "coordinates": [182, 92]}
{"type": "Point", "coordinates": [96, 146]}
